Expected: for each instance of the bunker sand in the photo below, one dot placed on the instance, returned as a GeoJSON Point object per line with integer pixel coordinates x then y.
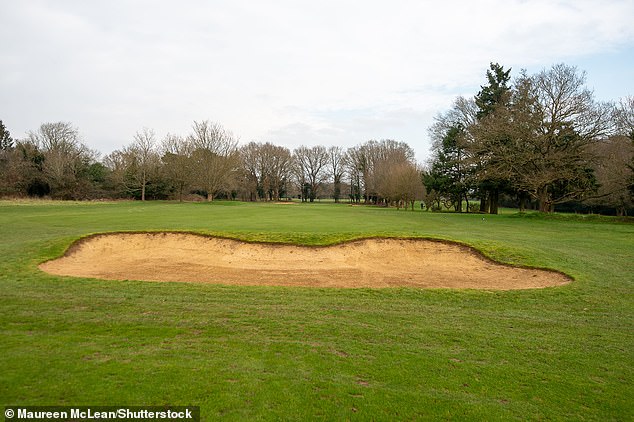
{"type": "Point", "coordinates": [373, 263]}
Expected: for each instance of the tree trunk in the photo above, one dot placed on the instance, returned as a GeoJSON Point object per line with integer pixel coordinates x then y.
{"type": "Point", "coordinates": [522, 204]}
{"type": "Point", "coordinates": [495, 199]}
{"type": "Point", "coordinates": [483, 203]}
{"type": "Point", "coordinates": [210, 197]}
{"type": "Point", "coordinates": [544, 200]}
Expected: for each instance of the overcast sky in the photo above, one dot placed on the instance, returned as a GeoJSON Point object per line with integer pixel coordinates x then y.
{"type": "Point", "coordinates": [288, 72]}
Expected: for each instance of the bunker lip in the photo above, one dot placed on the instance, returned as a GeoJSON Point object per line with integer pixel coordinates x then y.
{"type": "Point", "coordinates": [375, 262]}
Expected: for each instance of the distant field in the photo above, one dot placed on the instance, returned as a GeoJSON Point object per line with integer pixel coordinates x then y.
{"type": "Point", "coordinates": [300, 353]}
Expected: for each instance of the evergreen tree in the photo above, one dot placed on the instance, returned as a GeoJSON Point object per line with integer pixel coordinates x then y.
{"type": "Point", "coordinates": [496, 92]}
{"type": "Point", "coordinates": [6, 142]}
{"type": "Point", "coordinates": [491, 96]}
{"type": "Point", "coordinates": [447, 177]}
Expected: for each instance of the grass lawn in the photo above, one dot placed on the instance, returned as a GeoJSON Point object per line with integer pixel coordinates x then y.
{"type": "Point", "coordinates": [298, 353]}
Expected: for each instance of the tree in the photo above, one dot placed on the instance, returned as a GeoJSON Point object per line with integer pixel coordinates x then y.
{"type": "Point", "coordinates": [120, 165]}
{"type": "Point", "coordinates": [6, 147]}
{"type": "Point", "coordinates": [453, 162]}
{"type": "Point", "coordinates": [448, 175]}
{"type": "Point", "coordinates": [176, 161]}
{"type": "Point", "coordinates": [403, 185]}
{"type": "Point", "coordinates": [613, 173]}
{"type": "Point", "coordinates": [97, 174]}
{"type": "Point", "coordinates": [491, 97]}
{"type": "Point", "coordinates": [279, 168]}
{"type": "Point", "coordinates": [6, 142]}
{"type": "Point", "coordinates": [358, 172]}
{"type": "Point", "coordinates": [215, 157]}
{"type": "Point", "coordinates": [310, 166]}
{"type": "Point", "coordinates": [66, 159]}
{"type": "Point", "coordinates": [266, 169]}
{"type": "Point", "coordinates": [134, 170]}
{"type": "Point", "coordinates": [145, 157]}
{"type": "Point", "coordinates": [21, 171]}
{"type": "Point", "coordinates": [625, 117]}
{"type": "Point", "coordinates": [250, 155]}
{"type": "Point", "coordinates": [336, 164]}
{"type": "Point", "coordinates": [540, 142]}
{"type": "Point", "coordinates": [625, 126]}
{"type": "Point", "coordinates": [494, 94]}
{"type": "Point", "coordinates": [390, 159]}
{"type": "Point", "coordinates": [369, 166]}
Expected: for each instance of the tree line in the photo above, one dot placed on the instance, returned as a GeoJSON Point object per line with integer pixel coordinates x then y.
{"type": "Point", "coordinates": [540, 139]}
{"type": "Point", "coordinates": [536, 141]}
{"type": "Point", "coordinates": [209, 162]}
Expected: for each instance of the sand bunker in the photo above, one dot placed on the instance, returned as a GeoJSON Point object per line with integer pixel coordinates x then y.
{"type": "Point", "coordinates": [363, 263]}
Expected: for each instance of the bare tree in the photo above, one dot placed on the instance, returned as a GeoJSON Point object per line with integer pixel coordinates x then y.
{"type": "Point", "coordinates": [146, 158]}
{"type": "Point", "coordinates": [279, 168]}
{"type": "Point", "coordinates": [382, 158]}
{"type": "Point", "coordinates": [66, 158]}
{"type": "Point", "coordinates": [463, 113]}
{"type": "Point", "coordinates": [401, 185]}
{"type": "Point", "coordinates": [369, 165]}
{"type": "Point", "coordinates": [266, 169]}
{"type": "Point", "coordinates": [251, 168]}
{"type": "Point", "coordinates": [408, 184]}
{"type": "Point", "coordinates": [358, 172]}
{"type": "Point", "coordinates": [614, 173]}
{"type": "Point", "coordinates": [566, 103]}
{"type": "Point", "coordinates": [311, 169]}
{"type": "Point", "coordinates": [121, 166]}
{"type": "Point", "coordinates": [396, 178]}
{"type": "Point", "coordinates": [625, 117]}
{"type": "Point", "coordinates": [176, 159]}
{"type": "Point", "coordinates": [215, 158]}
{"type": "Point", "coordinates": [625, 126]}
{"type": "Point", "coordinates": [127, 175]}
{"type": "Point", "coordinates": [337, 164]}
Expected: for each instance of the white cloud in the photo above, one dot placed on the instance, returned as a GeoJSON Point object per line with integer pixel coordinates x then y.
{"type": "Point", "coordinates": [289, 72]}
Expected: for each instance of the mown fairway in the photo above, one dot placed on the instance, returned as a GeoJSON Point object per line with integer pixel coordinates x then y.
{"type": "Point", "coordinates": [301, 353]}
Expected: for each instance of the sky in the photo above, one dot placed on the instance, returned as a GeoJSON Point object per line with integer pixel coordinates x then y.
{"type": "Point", "coordinates": [290, 72]}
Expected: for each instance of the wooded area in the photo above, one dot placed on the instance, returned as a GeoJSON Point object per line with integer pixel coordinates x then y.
{"type": "Point", "coordinates": [209, 162]}
{"type": "Point", "coordinates": [539, 140]}
{"type": "Point", "coordinates": [542, 138]}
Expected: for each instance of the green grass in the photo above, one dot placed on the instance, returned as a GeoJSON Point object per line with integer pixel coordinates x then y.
{"type": "Point", "coordinates": [271, 353]}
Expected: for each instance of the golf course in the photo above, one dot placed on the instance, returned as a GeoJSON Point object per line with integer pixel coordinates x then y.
{"type": "Point", "coordinates": [242, 350]}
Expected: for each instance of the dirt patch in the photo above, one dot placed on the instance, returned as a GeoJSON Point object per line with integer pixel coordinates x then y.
{"type": "Point", "coordinates": [363, 263]}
